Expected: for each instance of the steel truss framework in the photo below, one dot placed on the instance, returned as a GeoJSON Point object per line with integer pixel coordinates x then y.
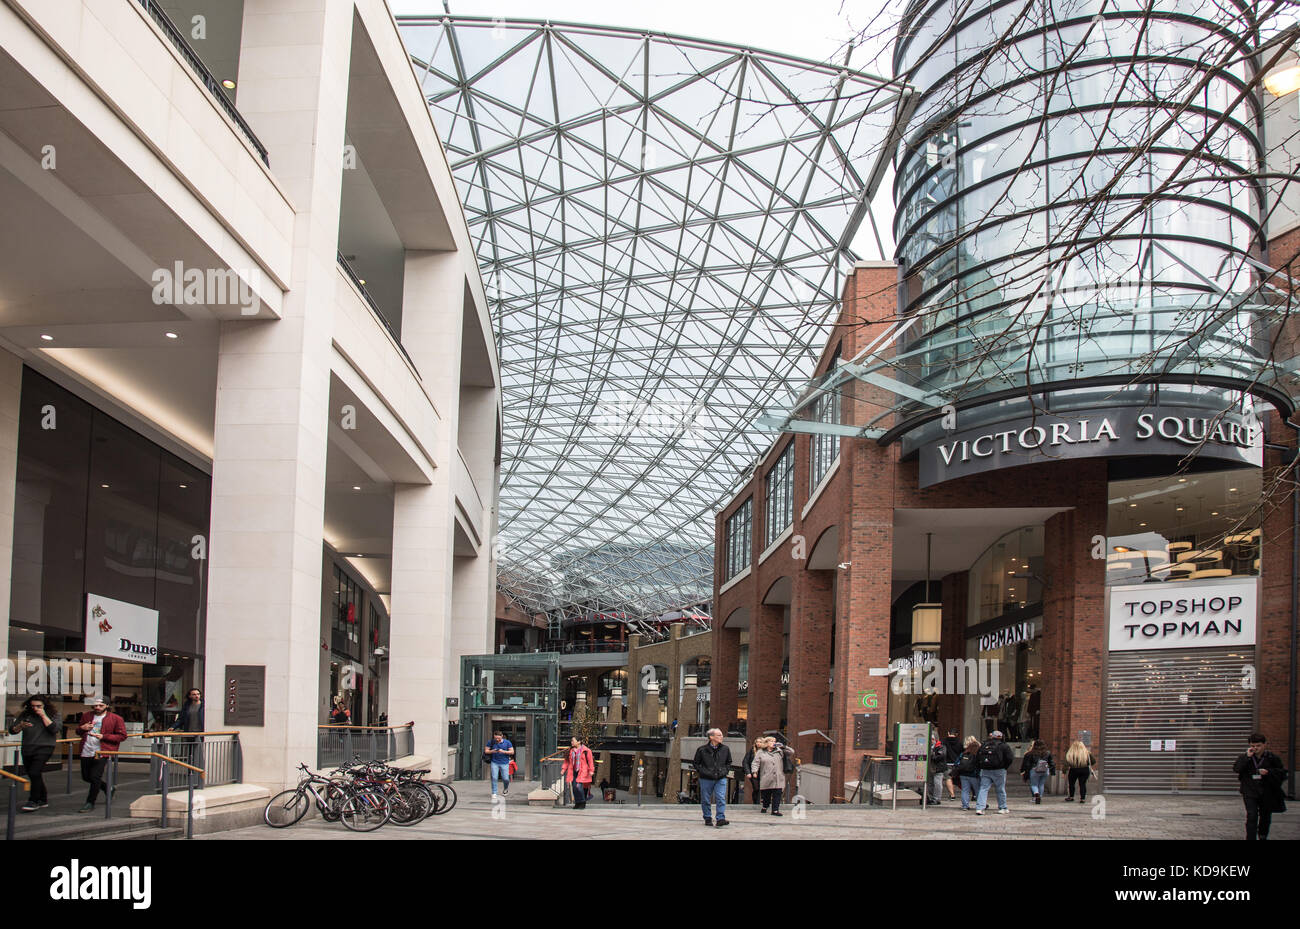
{"type": "Point", "coordinates": [662, 225]}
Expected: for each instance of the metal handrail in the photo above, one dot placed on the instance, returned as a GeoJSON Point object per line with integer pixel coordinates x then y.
{"type": "Point", "coordinates": [209, 80]}
{"type": "Point", "coordinates": [177, 732]}
{"type": "Point", "coordinates": [15, 777]}
{"type": "Point", "coordinates": [165, 759]}
{"type": "Point", "coordinates": [374, 307]}
{"type": "Point", "coordinates": [14, 781]}
{"type": "Point", "coordinates": [349, 726]}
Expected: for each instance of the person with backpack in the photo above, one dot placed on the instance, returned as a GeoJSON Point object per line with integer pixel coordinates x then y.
{"type": "Point", "coordinates": [953, 744]}
{"type": "Point", "coordinates": [1078, 767]}
{"type": "Point", "coordinates": [968, 772]}
{"type": "Point", "coordinates": [579, 769]}
{"type": "Point", "coordinates": [1035, 767]}
{"type": "Point", "coordinates": [993, 760]}
{"type": "Point", "coordinates": [769, 767]}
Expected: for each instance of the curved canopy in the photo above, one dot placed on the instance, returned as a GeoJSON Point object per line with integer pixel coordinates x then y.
{"type": "Point", "coordinates": [662, 225]}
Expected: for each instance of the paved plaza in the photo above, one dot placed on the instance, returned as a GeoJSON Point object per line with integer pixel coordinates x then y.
{"type": "Point", "coordinates": [1126, 817]}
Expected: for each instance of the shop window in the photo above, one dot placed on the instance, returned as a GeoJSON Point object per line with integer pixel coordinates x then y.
{"type": "Point", "coordinates": [1006, 580]}
{"type": "Point", "coordinates": [1184, 527]}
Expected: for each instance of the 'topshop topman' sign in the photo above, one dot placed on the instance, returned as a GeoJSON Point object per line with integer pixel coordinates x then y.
{"type": "Point", "coordinates": [121, 631]}
{"type": "Point", "coordinates": [1156, 616]}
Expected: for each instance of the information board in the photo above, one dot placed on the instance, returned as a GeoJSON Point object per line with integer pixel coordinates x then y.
{"type": "Point", "coordinates": [245, 694]}
{"type": "Point", "coordinates": [912, 752]}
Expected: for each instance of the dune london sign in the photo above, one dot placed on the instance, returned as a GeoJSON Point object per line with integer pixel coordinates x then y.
{"type": "Point", "coordinates": [1046, 437]}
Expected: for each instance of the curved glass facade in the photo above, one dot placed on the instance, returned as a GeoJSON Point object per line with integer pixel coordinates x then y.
{"type": "Point", "coordinates": [1076, 199]}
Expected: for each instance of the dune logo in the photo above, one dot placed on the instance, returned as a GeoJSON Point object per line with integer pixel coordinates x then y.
{"type": "Point", "coordinates": [103, 882]}
{"type": "Point", "coordinates": [129, 647]}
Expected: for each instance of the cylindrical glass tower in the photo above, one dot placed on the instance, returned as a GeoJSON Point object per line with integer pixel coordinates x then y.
{"type": "Point", "coordinates": [1076, 200]}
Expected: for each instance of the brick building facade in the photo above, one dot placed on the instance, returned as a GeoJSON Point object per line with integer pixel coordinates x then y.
{"type": "Point", "coordinates": [822, 599]}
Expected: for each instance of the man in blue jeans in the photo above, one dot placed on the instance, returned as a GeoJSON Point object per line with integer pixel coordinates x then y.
{"type": "Point", "coordinates": [500, 751]}
{"type": "Point", "coordinates": [993, 759]}
{"type": "Point", "coordinates": [712, 762]}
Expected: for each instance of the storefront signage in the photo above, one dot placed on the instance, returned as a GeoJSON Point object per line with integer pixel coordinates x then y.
{"type": "Point", "coordinates": [1206, 615]}
{"type": "Point", "coordinates": [913, 661]}
{"type": "Point", "coordinates": [1008, 635]}
{"type": "Point", "coordinates": [1178, 431]}
{"type": "Point", "coordinates": [121, 631]}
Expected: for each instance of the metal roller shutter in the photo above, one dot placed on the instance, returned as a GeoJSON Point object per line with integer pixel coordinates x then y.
{"type": "Point", "coordinates": [1192, 696]}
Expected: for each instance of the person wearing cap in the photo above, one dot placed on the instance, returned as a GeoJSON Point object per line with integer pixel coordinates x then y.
{"type": "Point", "coordinates": [101, 731]}
{"type": "Point", "coordinates": [993, 759]}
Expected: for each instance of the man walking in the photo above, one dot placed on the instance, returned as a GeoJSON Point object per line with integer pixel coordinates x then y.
{"type": "Point", "coordinates": [1261, 774]}
{"type": "Point", "coordinates": [500, 753]}
{"type": "Point", "coordinates": [100, 730]}
{"type": "Point", "coordinates": [712, 761]}
{"type": "Point", "coordinates": [993, 760]}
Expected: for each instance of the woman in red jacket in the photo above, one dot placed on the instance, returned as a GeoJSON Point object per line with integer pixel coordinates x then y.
{"type": "Point", "coordinates": [100, 731]}
{"type": "Point", "coordinates": [579, 768]}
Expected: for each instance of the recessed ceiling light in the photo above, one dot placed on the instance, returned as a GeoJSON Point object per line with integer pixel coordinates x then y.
{"type": "Point", "coordinates": [1141, 524]}
{"type": "Point", "coordinates": [105, 486]}
{"type": "Point", "coordinates": [1215, 513]}
{"type": "Point", "coordinates": [1182, 480]}
{"type": "Point", "coordinates": [171, 335]}
{"type": "Point", "coordinates": [1178, 509]}
{"type": "Point", "coordinates": [356, 486]}
{"type": "Point", "coordinates": [183, 486]}
{"type": "Point", "coordinates": [1132, 505]}
{"type": "Point", "coordinates": [228, 84]}
{"type": "Point", "coordinates": [361, 281]}
{"type": "Point", "coordinates": [47, 338]}
{"type": "Point", "coordinates": [1232, 490]}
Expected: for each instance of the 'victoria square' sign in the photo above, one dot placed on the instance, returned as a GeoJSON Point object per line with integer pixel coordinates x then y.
{"type": "Point", "coordinates": [1154, 616]}
{"type": "Point", "coordinates": [1094, 433]}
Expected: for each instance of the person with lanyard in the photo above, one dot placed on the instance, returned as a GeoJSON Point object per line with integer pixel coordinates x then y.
{"type": "Point", "coordinates": [500, 753]}
{"type": "Point", "coordinates": [40, 729]}
{"type": "Point", "coordinates": [100, 731]}
{"type": "Point", "coordinates": [1261, 774]}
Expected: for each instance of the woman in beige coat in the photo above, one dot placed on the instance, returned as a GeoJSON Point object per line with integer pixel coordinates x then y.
{"type": "Point", "coordinates": [769, 767]}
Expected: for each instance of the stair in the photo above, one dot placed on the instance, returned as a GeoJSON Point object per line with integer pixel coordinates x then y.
{"type": "Point", "coordinates": [98, 828]}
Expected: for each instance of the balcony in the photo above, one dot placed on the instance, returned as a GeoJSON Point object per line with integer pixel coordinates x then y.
{"type": "Point", "coordinates": [205, 76]}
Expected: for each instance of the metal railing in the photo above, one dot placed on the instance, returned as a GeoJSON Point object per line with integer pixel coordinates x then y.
{"type": "Point", "coordinates": [219, 754]}
{"type": "Point", "coordinates": [192, 774]}
{"type": "Point", "coordinates": [13, 781]}
{"type": "Point", "coordinates": [374, 308]}
{"type": "Point", "coordinates": [209, 80]}
{"type": "Point", "coordinates": [590, 648]}
{"type": "Point", "coordinates": [337, 744]}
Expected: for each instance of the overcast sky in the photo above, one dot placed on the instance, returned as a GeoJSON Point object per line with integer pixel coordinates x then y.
{"type": "Point", "coordinates": [816, 29]}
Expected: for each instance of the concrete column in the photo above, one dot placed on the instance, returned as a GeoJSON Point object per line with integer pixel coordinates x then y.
{"type": "Point", "coordinates": [1273, 648]}
{"type": "Point", "coordinates": [268, 473]}
{"type": "Point", "coordinates": [685, 716]}
{"type": "Point", "coordinates": [421, 602]}
{"type": "Point", "coordinates": [11, 384]}
{"type": "Point", "coordinates": [812, 613]}
{"type": "Point", "coordinates": [863, 625]}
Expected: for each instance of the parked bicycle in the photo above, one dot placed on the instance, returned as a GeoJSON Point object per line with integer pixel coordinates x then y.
{"type": "Point", "coordinates": [358, 807]}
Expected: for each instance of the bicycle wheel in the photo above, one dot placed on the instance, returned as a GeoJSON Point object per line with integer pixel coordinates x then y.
{"type": "Point", "coordinates": [335, 793]}
{"type": "Point", "coordinates": [286, 808]}
{"type": "Point", "coordinates": [448, 796]}
{"type": "Point", "coordinates": [365, 810]}
{"type": "Point", "coordinates": [411, 804]}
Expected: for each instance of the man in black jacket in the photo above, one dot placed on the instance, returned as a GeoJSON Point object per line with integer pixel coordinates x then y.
{"type": "Point", "coordinates": [712, 762]}
{"type": "Point", "coordinates": [993, 759]}
{"type": "Point", "coordinates": [1261, 774]}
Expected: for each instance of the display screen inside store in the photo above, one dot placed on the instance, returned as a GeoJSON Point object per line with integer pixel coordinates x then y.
{"type": "Point", "coordinates": [1184, 527]}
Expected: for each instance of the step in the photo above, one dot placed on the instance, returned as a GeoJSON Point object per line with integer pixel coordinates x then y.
{"type": "Point", "coordinates": [85, 828]}
{"type": "Point", "coordinates": [156, 832]}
